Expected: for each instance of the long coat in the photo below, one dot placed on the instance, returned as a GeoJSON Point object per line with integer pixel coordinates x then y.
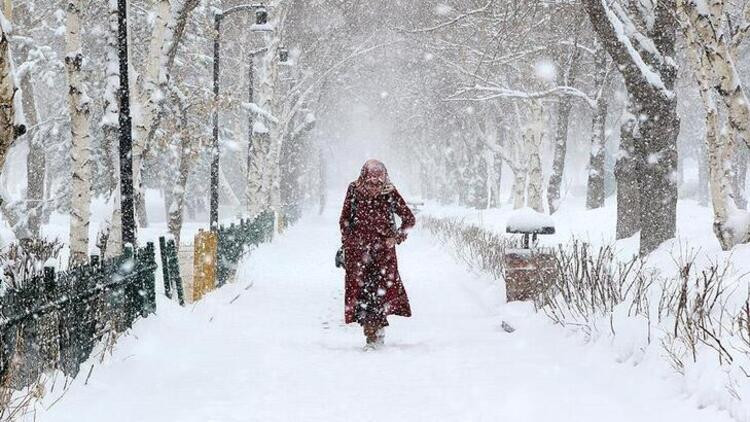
{"type": "Point", "coordinates": [365, 225]}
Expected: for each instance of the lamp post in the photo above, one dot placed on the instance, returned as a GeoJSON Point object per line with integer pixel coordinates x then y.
{"type": "Point", "coordinates": [126, 128]}
{"type": "Point", "coordinates": [261, 20]}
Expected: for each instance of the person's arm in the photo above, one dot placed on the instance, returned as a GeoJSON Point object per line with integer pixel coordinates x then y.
{"type": "Point", "coordinates": [346, 213]}
{"type": "Point", "coordinates": [407, 217]}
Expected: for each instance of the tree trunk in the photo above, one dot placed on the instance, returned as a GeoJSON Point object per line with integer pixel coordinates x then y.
{"type": "Point", "coordinates": [702, 175]}
{"type": "Point", "coordinates": [740, 176]}
{"type": "Point", "coordinates": [626, 175]}
{"type": "Point", "coordinates": [150, 99]}
{"type": "Point", "coordinates": [177, 206]}
{"type": "Point", "coordinates": [111, 114]}
{"type": "Point", "coordinates": [564, 107]}
{"type": "Point", "coordinates": [36, 166]}
{"type": "Point", "coordinates": [79, 123]}
{"type": "Point", "coordinates": [650, 82]}
{"type": "Point", "coordinates": [714, 70]}
{"type": "Point", "coordinates": [266, 134]}
{"type": "Point", "coordinates": [595, 186]}
{"type": "Point", "coordinates": [10, 104]}
{"type": "Point", "coordinates": [535, 134]}
{"type": "Point", "coordinates": [595, 190]}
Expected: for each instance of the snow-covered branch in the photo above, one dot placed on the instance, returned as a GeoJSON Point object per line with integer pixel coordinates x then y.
{"type": "Point", "coordinates": [451, 22]}
{"type": "Point", "coordinates": [496, 92]}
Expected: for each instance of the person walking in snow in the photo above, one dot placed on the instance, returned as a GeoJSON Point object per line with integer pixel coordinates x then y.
{"type": "Point", "coordinates": [369, 235]}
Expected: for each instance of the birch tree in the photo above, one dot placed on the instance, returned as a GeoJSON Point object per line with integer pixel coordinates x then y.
{"type": "Point", "coordinates": [11, 110]}
{"type": "Point", "coordinates": [79, 123]}
{"type": "Point", "coordinates": [713, 54]}
{"type": "Point", "coordinates": [534, 135]}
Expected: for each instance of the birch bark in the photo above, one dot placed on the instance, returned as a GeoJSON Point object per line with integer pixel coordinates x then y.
{"type": "Point", "coordinates": [713, 59]}
{"type": "Point", "coordinates": [11, 113]}
{"type": "Point", "coordinates": [78, 103]}
{"type": "Point", "coordinates": [534, 137]}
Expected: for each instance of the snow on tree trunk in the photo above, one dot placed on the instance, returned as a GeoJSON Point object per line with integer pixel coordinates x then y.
{"type": "Point", "coordinates": [534, 137]}
{"type": "Point", "coordinates": [560, 151]}
{"type": "Point", "coordinates": [114, 238]}
{"type": "Point", "coordinates": [706, 19]}
{"type": "Point", "coordinates": [177, 205]}
{"type": "Point", "coordinates": [492, 160]}
{"type": "Point", "coordinates": [595, 186]}
{"type": "Point", "coordinates": [626, 172]}
{"type": "Point", "coordinates": [110, 117]}
{"type": "Point", "coordinates": [111, 130]}
{"type": "Point", "coordinates": [266, 148]}
{"type": "Point", "coordinates": [11, 111]}
{"type": "Point", "coordinates": [149, 99]}
{"type": "Point", "coordinates": [703, 175]}
{"type": "Point", "coordinates": [740, 176]}
{"type": "Point", "coordinates": [648, 66]}
{"type": "Point", "coordinates": [519, 165]}
{"type": "Point", "coordinates": [36, 167]}
{"type": "Point", "coordinates": [79, 124]}
{"type": "Point", "coordinates": [564, 107]}
{"type": "Point", "coordinates": [714, 68]}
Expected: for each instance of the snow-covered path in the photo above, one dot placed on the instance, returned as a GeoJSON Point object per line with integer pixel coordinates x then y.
{"type": "Point", "coordinates": [280, 352]}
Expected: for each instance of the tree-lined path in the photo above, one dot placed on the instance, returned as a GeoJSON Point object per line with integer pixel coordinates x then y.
{"type": "Point", "coordinates": [272, 347]}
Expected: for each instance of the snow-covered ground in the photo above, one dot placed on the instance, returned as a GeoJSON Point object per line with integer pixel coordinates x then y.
{"type": "Point", "coordinates": [272, 347]}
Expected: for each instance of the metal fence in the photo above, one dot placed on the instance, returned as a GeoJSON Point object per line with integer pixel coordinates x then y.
{"type": "Point", "coordinates": [56, 319]}
{"type": "Point", "coordinates": [235, 239]}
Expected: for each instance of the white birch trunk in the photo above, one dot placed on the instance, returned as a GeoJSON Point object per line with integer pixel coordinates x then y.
{"type": "Point", "coordinates": [149, 97]}
{"type": "Point", "coordinates": [79, 123]}
{"type": "Point", "coordinates": [519, 166]}
{"type": "Point", "coordinates": [263, 168]}
{"type": "Point", "coordinates": [110, 129]}
{"type": "Point", "coordinates": [713, 59]}
{"type": "Point", "coordinates": [114, 239]}
{"type": "Point", "coordinates": [534, 136]}
{"type": "Point", "coordinates": [11, 108]}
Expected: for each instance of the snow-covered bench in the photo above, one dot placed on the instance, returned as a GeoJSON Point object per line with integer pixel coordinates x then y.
{"type": "Point", "coordinates": [527, 270]}
{"type": "Point", "coordinates": [529, 223]}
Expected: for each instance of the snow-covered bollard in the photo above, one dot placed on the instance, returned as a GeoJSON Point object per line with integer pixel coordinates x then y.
{"type": "Point", "coordinates": [528, 268]}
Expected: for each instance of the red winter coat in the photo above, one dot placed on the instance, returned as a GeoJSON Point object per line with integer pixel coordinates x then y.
{"type": "Point", "coordinates": [365, 244]}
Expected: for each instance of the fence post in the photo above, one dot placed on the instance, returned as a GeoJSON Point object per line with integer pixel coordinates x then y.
{"type": "Point", "coordinates": [165, 267]}
{"type": "Point", "coordinates": [127, 267]}
{"type": "Point", "coordinates": [49, 280]}
{"type": "Point", "coordinates": [174, 271]}
{"type": "Point", "coordinates": [149, 279]}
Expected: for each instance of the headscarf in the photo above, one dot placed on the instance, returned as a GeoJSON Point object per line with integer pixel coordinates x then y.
{"type": "Point", "coordinates": [374, 169]}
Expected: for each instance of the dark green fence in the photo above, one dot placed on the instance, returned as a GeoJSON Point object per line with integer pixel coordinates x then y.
{"type": "Point", "coordinates": [55, 320]}
{"type": "Point", "coordinates": [236, 239]}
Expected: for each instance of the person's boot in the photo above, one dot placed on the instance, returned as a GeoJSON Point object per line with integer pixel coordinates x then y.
{"type": "Point", "coordinates": [380, 337]}
{"type": "Point", "coordinates": [371, 337]}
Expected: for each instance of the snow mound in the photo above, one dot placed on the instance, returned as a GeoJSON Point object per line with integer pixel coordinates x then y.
{"type": "Point", "coordinates": [526, 220]}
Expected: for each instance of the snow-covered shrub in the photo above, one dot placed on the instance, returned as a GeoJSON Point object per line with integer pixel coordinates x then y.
{"type": "Point", "coordinates": [25, 259]}
{"type": "Point", "coordinates": [691, 319]}
{"type": "Point", "coordinates": [482, 250]}
{"type": "Point", "coordinates": [588, 284]}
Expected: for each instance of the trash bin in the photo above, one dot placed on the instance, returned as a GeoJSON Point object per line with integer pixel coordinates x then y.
{"type": "Point", "coordinates": [528, 269]}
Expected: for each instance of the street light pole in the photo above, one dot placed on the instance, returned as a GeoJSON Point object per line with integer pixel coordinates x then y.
{"type": "Point", "coordinates": [126, 130]}
{"type": "Point", "coordinates": [215, 154]}
{"type": "Point", "coordinates": [251, 115]}
{"type": "Point", "coordinates": [261, 19]}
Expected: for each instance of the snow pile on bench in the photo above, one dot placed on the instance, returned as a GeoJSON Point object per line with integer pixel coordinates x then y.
{"type": "Point", "coordinates": [526, 220]}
